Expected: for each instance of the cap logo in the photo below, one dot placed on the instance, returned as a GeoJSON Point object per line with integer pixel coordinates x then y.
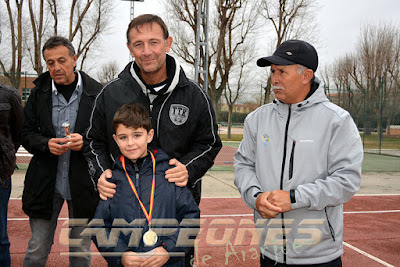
{"type": "Point", "coordinates": [289, 53]}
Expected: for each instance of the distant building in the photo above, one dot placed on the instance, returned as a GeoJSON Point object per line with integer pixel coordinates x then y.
{"type": "Point", "coordinates": [25, 85]}
{"type": "Point", "coordinates": [394, 130]}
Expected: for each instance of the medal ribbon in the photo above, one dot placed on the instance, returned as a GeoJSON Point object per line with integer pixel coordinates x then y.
{"type": "Point", "coordinates": [153, 187]}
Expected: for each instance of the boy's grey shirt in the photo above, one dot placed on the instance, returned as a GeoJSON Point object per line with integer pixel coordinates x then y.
{"type": "Point", "coordinates": [323, 162]}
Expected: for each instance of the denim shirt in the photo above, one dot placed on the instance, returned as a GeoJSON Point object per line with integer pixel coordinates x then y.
{"type": "Point", "coordinates": [64, 111]}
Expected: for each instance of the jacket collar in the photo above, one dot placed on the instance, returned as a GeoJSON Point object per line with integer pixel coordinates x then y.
{"type": "Point", "coordinates": [317, 97]}
{"type": "Point", "coordinates": [78, 85]}
{"type": "Point", "coordinates": [44, 83]}
{"type": "Point", "coordinates": [179, 79]}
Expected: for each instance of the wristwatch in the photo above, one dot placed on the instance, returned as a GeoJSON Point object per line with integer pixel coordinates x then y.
{"type": "Point", "coordinates": [292, 196]}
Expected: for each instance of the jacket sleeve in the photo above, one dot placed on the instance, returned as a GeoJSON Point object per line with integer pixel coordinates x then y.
{"type": "Point", "coordinates": [31, 137]}
{"type": "Point", "coordinates": [188, 215]}
{"type": "Point", "coordinates": [96, 147]}
{"type": "Point", "coordinates": [16, 119]}
{"type": "Point", "coordinates": [107, 245]}
{"type": "Point", "coordinates": [244, 161]}
{"type": "Point", "coordinates": [345, 158]}
{"type": "Point", "coordinates": [206, 144]}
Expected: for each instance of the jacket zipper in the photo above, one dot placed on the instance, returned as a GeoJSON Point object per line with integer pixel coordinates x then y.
{"type": "Point", "coordinates": [330, 226]}
{"type": "Point", "coordinates": [291, 160]}
{"type": "Point", "coordinates": [137, 182]}
{"type": "Point", "coordinates": [281, 185]}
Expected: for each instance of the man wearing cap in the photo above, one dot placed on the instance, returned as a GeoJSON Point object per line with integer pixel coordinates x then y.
{"type": "Point", "coordinates": [299, 161]}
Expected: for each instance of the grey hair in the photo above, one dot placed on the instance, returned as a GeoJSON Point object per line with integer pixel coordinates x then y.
{"type": "Point", "coordinates": [57, 41]}
{"type": "Point", "coordinates": [301, 68]}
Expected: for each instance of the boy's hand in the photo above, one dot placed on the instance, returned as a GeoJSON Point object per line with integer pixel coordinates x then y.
{"type": "Point", "coordinates": [159, 258]}
{"type": "Point", "coordinates": [106, 189]}
{"type": "Point", "coordinates": [131, 259]}
{"type": "Point", "coordinates": [178, 175]}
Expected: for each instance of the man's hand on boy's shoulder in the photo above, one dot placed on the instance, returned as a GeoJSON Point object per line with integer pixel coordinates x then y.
{"type": "Point", "coordinates": [178, 174]}
{"type": "Point", "coordinates": [106, 189]}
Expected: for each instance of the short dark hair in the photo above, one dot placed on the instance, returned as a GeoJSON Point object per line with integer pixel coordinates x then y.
{"type": "Point", "coordinates": [57, 41]}
{"type": "Point", "coordinates": [133, 115]}
{"type": "Point", "coordinates": [147, 19]}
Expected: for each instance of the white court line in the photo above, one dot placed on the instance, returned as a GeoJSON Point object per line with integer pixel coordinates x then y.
{"type": "Point", "coordinates": [368, 255]}
{"type": "Point", "coordinates": [27, 219]}
{"type": "Point", "coordinates": [346, 212]}
{"type": "Point", "coordinates": [371, 211]}
{"type": "Point", "coordinates": [227, 215]}
{"type": "Point", "coordinates": [375, 195]}
{"type": "Point", "coordinates": [356, 195]}
{"type": "Point", "coordinates": [241, 215]}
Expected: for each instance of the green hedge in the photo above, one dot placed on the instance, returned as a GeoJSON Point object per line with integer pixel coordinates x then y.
{"type": "Point", "coordinates": [237, 117]}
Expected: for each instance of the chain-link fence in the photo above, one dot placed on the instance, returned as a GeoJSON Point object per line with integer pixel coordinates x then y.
{"type": "Point", "coordinates": [376, 114]}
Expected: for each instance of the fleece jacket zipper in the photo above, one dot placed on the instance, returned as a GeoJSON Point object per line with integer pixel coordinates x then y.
{"type": "Point", "coordinates": [281, 185]}
{"type": "Point", "coordinates": [292, 160]}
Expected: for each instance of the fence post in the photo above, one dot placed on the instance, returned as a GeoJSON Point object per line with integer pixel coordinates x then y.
{"type": "Point", "coordinates": [349, 96]}
{"type": "Point", "coordinates": [365, 118]}
{"type": "Point", "coordinates": [381, 124]}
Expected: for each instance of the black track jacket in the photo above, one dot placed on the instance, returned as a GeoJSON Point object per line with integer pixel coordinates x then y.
{"type": "Point", "coordinates": [183, 120]}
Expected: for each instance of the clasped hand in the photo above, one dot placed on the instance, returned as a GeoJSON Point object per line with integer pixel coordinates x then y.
{"type": "Point", "coordinates": [270, 204]}
{"type": "Point", "coordinates": [133, 259]}
{"type": "Point", "coordinates": [60, 146]}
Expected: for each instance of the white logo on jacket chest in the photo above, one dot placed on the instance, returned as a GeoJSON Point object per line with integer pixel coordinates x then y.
{"type": "Point", "coordinates": [178, 114]}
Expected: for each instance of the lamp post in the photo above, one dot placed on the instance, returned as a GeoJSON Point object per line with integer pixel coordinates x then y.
{"type": "Point", "coordinates": [132, 17]}
{"type": "Point", "coordinates": [132, 6]}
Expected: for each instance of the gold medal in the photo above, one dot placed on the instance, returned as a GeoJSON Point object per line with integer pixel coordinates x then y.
{"type": "Point", "coordinates": [150, 238]}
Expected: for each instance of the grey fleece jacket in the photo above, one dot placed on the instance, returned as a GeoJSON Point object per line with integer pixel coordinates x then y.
{"type": "Point", "coordinates": [314, 148]}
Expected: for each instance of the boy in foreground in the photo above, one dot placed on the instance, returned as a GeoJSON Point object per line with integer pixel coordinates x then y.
{"type": "Point", "coordinates": [143, 199]}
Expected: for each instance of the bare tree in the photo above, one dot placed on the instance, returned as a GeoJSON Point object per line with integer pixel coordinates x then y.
{"type": "Point", "coordinates": [54, 13]}
{"type": "Point", "coordinates": [11, 55]}
{"type": "Point", "coordinates": [290, 19]}
{"type": "Point", "coordinates": [232, 22]}
{"type": "Point", "coordinates": [84, 24]}
{"type": "Point", "coordinates": [236, 85]}
{"type": "Point", "coordinates": [325, 73]}
{"type": "Point", "coordinates": [375, 71]}
{"type": "Point", "coordinates": [37, 21]}
{"type": "Point", "coordinates": [341, 70]}
{"type": "Point", "coordinates": [108, 72]}
{"type": "Point", "coordinates": [378, 66]}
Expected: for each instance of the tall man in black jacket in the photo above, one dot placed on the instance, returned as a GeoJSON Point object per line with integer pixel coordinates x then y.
{"type": "Point", "coordinates": [181, 113]}
{"type": "Point", "coordinates": [56, 117]}
{"type": "Point", "coordinates": [11, 117]}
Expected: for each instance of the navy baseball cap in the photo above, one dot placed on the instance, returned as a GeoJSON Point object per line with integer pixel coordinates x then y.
{"type": "Point", "coordinates": [292, 52]}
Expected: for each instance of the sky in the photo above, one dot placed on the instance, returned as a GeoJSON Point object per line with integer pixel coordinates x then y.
{"type": "Point", "coordinates": [340, 23]}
